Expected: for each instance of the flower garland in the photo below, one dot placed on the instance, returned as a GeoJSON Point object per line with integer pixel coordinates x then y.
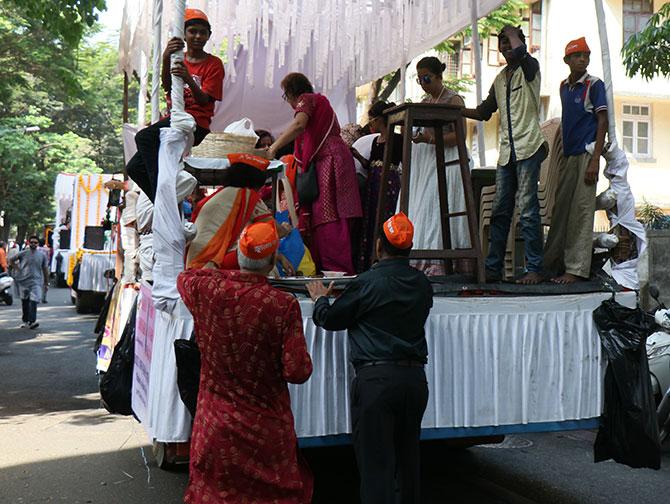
{"type": "Point", "coordinates": [86, 186]}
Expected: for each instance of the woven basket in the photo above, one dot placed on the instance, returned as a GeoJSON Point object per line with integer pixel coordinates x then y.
{"type": "Point", "coordinates": [219, 145]}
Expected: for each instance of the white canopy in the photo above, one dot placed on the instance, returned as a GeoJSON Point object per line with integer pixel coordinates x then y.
{"type": "Point", "coordinates": [338, 44]}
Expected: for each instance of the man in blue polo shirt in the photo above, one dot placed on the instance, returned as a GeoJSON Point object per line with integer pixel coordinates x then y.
{"type": "Point", "coordinates": [567, 255]}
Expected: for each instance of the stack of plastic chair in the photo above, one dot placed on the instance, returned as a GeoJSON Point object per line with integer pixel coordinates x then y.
{"type": "Point", "coordinates": [548, 181]}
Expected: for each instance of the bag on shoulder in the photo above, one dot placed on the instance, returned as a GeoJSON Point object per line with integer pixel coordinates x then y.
{"type": "Point", "coordinates": [306, 182]}
{"type": "Point", "coordinates": [307, 185]}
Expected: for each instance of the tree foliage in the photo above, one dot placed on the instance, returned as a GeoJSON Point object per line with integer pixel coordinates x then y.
{"type": "Point", "coordinates": [71, 92]}
{"type": "Point", "coordinates": [507, 13]}
{"type": "Point", "coordinates": [647, 53]}
{"type": "Point", "coordinates": [65, 20]}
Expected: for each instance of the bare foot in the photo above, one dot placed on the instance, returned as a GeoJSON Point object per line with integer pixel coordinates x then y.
{"type": "Point", "coordinates": [530, 278]}
{"type": "Point", "coordinates": [567, 278]}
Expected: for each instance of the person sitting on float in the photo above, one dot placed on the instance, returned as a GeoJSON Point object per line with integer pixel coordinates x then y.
{"type": "Point", "coordinates": [220, 217]}
{"type": "Point", "coordinates": [265, 139]}
{"type": "Point", "coordinates": [203, 75]}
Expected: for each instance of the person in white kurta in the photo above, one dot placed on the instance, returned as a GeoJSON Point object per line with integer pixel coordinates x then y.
{"type": "Point", "coordinates": [424, 206]}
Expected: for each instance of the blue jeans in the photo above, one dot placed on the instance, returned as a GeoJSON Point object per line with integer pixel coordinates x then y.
{"type": "Point", "coordinates": [521, 176]}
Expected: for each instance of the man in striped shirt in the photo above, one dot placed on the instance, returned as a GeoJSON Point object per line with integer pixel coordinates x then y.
{"type": "Point", "coordinates": [567, 256]}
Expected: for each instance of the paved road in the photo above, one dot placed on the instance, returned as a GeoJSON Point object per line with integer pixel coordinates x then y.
{"type": "Point", "coordinates": [57, 445]}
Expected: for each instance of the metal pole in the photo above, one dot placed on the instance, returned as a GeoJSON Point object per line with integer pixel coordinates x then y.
{"type": "Point", "coordinates": [607, 69]}
{"type": "Point", "coordinates": [177, 93]}
{"type": "Point", "coordinates": [125, 97]}
{"type": "Point", "coordinates": [157, 19]}
{"type": "Point", "coordinates": [478, 79]}
{"type": "Point", "coordinates": [142, 95]}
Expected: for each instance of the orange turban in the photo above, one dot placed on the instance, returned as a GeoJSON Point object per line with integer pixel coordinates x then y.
{"type": "Point", "coordinates": [577, 46]}
{"type": "Point", "coordinates": [259, 240]}
{"type": "Point", "coordinates": [399, 231]}
{"type": "Point", "coordinates": [190, 14]}
{"type": "Point", "coordinates": [249, 159]}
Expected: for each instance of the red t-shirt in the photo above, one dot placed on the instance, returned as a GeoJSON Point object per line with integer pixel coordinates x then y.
{"type": "Point", "coordinates": [208, 74]}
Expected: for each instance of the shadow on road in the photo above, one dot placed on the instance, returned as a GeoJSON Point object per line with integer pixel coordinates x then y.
{"type": "Point", "coordinates": [41, 370]}
{"type": "Point", "coordinates": [105, 478]}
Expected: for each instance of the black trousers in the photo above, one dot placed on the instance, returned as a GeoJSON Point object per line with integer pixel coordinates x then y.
{"type": "Point", "coordinates": [29, 309]}
{"type": "Point", "coordinates": [387, 406]}
{"type": "Point", "coordinates": [143, 166]}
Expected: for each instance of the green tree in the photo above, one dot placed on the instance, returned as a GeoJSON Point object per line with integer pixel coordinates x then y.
{"type": "Point", "coordinates": [647, 53]}
{"type": "Point", "coordinates": [65, 20]}
{"type": "Point", "coordinates": [96, 112]}
{"type": "Point", "coordinates": [71, 94]}
{"type": "Point", "coordinates": [508, 13]}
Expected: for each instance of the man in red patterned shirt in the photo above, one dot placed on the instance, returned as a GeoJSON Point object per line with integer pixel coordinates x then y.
{"type": "Point", "coordinates": [244, 446]}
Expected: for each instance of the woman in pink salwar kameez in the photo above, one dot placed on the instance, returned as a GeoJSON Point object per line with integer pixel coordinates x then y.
{"type": "Point", "coordinates": [326, 222]}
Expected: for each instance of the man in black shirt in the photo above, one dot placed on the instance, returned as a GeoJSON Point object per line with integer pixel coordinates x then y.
{"type": "Point", "coordinates": [385, 310]}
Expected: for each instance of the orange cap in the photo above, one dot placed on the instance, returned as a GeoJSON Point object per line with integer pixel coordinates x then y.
{"type": "Point", "coordinates": [399, 231]}
{"type": "Point", "coordinates": [194, 14]}
{"type": "Point", "coordinates": [249, 159]}
{"type": "Point", "coordinates": [259, 240]}
{"type": "Point", "coordinates": [577, 46]}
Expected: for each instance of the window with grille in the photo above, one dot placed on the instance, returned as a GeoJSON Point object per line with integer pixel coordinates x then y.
{"type": "Point", "coordinates": [636, 133]}
{"type": "Point", "coordinates": [531, 24]}
{"type": "Point", "coordinates": [494, 58]}
{"type": "Point", "coordinates": [453, 61]}
{"type": "Point", "coordinates": [535, 26]}
{"type": "Point", "coordinates": [636, 13]}
{"type": "Point", "coordinates": [466, 58]}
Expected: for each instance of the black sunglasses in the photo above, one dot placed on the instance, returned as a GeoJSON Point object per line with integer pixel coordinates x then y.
{"type": "Point", "coordinates": [284, 97]}
{"type": "Point", "coordinates": [424, 79]}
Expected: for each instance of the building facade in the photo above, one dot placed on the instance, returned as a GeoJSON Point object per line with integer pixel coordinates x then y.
{"type": "Point", "coordinates": [642, 108]}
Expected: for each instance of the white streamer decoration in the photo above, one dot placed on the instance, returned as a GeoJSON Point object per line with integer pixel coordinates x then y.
{"type": "Point", "coordinates": [334, 42]}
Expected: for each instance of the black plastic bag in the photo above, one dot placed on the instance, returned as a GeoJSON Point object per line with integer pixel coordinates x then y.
{"type": "Point", "coordinates": [188, 372]}
{"type": "Point", "coordinates": [628, 427]}
{"type": "Point", "coordinates": [116, 384]}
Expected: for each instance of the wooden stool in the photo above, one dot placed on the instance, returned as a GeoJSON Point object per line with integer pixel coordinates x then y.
{"type": "Point", "coordinates": [435, 116]}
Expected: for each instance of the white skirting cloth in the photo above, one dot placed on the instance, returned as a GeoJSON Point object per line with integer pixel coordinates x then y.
{"type": "Point", "coordinates": [424, 201]}
{"type": "Point", "coordinates": [492, 362]}
{"type": "Point", "coordinates": [168, 419]}
{"type": "Point", "coordinates": [92, 272]}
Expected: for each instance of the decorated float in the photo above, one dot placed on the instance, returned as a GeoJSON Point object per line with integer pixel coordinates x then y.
{"type": "Point", "coordinates": [83, 249]}
{"type": "Point", "coordinates": [502, 359]}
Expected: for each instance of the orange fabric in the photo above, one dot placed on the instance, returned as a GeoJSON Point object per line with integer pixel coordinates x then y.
{"type": "Point", "coordinates": [218, 246]}
{"type": "Point", "coordinates": [291, 169]}
{"type": "Point", "coordinates": [3, 259]}
{"type": "Point", "coordinates": [577, 46]}
{"type": "Point", "coordinates": [258, 240]}
{"type": "Point", "coordinates": [249, 159]}
{"type": "Point", "coordinates": [194, 14]}
{"type": "Point", "coordinates": [399, 231]}
{"type": "Point", "coordinates": [202, 202]}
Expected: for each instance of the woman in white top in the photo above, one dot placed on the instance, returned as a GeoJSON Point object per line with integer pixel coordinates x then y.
{"type": "Point", "coordinates": [424, 209]}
